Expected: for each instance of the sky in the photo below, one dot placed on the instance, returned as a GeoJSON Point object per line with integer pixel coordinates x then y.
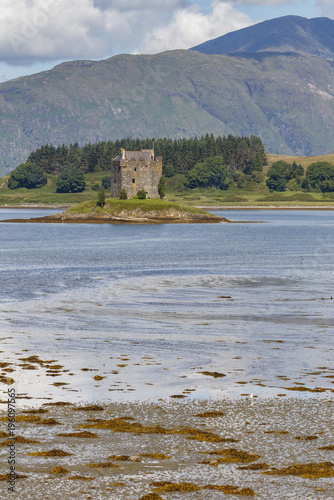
{"type": "Point", "coordinates": [36, 35]}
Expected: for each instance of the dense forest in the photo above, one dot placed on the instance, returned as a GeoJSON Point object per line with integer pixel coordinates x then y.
{"type": "Point", "coordinates": [239, 153]}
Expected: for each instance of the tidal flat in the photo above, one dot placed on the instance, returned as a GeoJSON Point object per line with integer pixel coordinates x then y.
{"type": "Point", "coordinates": [266, 448]}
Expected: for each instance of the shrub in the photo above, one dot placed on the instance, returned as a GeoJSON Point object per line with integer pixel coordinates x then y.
{"type": "Point", "coordinates": [123, 195]}
{"type": "Point", "coordinates": [141, 194]}
{"type": "Point", "coordinates": [27, 175]}
{"type": "Point", "coordinates": [101, 198]}
{"type": "Point", "coordinates": [96, 187]}
{"type": "Point", "coordinates": [162, 187]}
{"type": "Point", "coordinates": [71, 181]}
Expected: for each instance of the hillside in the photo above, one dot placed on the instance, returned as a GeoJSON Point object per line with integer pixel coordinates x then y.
{"type": "Point", "coordinates": [284, 34]}
{"type": "Point", "coordinates": [286, 99]}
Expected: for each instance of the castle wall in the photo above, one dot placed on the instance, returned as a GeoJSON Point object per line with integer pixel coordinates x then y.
{"type": "Point", "coordinates": [135, 175]}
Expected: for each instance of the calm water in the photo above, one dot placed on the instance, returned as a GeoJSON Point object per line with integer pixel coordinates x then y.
{"type": "Point", "coordinates": [150, 307]}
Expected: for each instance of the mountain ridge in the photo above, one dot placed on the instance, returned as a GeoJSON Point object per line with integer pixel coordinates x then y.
{"type": "Point", "coordinates": [285, 98]}
{"type": "Point", "coordinates": [298, 34]}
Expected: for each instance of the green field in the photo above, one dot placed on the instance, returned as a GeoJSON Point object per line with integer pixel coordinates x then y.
{"type": "Point", "coordinates": [254, 194]}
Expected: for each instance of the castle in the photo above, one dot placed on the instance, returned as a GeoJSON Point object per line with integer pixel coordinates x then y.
{"type": "Point", "coordinates": [135, 171]}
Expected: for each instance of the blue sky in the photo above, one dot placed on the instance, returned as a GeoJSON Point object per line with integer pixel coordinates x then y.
{"type": "Point", "coordinates": [35, 35]}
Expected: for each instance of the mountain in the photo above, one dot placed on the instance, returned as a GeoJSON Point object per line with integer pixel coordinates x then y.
{"type": "Point", "coordinates": [285, 98]}
{"type": "Point", "coordinates": [284, 34]}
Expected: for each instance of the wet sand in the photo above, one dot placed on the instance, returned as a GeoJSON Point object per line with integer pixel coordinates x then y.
{"type": "Point", "coordinates": [175, 448]}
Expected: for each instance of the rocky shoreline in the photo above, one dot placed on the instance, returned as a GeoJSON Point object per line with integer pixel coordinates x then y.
{"type": "Point", "coordinates": [137, 216]}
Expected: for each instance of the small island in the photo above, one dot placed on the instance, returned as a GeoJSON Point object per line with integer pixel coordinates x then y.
{"type": "Point", "coordinates": [132, 211]}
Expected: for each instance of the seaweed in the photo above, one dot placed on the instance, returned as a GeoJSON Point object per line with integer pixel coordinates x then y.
{"type": "Point", "coordinates": [51, 453]}
{"type": "Point", "coordinates": [310, 470]}
{"type": "Point", "coordinates": [83, 434]}
{"type": "Point", "coordinates": [213, 374]}
{"type": "Point", "coordinates": [59, 470]}
{"type": "Point", "coordinates": [231, 455]}
{"type": "Point", "coordinates": [210, 414]}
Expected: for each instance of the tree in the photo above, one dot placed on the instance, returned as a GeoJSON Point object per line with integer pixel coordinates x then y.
{"type": "Point", "coordinates": [101, 198]}
{"type": "Point", "coordinates": [278, 176]}
{"type": "Point", "coordinates": [169, 171]}
{"type": "Point", "coordinates": [162, 187]}
{"type": "Point", "coordinates": [212, 172]}
{"type": "Point", "coordinates": [71, 181]}
{"type": "Point", "coordinates": [27, 175]}
{"type": "Point", "coordinates": [320, 177]}
{"type": "Point", "coordinates": [106, 182]}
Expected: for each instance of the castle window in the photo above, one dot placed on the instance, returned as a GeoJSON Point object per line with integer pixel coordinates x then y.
{"type": "Point", "coordinates": [133, 181]}
{"type": "Point", "coordinates": [115, 181]}
{"type": "Point", "coordinates": [135, 170]}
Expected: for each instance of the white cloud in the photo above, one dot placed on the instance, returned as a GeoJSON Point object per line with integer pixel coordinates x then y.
{"type": "Point", "coordinates": [192, 26]}
{"type": "Point", "coordinates": [33, 31]}
{"type": "Point", "coordinates": [326, 8]}
{"type": "Point", "coordinates": [126, 5]}
{"type": "Point", "coordinates": [267, 3]}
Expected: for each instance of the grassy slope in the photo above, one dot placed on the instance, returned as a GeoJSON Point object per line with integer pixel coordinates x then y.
{"type": "Point", "coordinates": [256, 195]}
{"type": "Point", "coordinates": [115, 206]}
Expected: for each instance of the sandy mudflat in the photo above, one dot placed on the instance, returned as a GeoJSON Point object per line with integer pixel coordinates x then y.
{"type": "Point", "coordinates": [177, 448]}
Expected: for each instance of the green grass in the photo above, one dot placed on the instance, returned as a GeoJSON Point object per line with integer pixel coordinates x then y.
{"type": "Point", "coordinates": [115, 206]}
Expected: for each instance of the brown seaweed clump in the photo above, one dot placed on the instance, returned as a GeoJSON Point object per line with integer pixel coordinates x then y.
{"type": "Point", "coordinates": [151, 496]}
{"type": "Point", "coordinates": [24, 418]}
{"type": "Point", "coordinates": [213, 374]}
{"type": "Point", "coordinates": [59, 470]}
{"type": "Point", "coordinates": [155, 456]}
{"type": "Point", "coordinates": [103, 465]}
{"type": "Point", "coordinates": [83, 434]}
{"type": "Point", "coordinates": [230, 490]}
{"type": "Point", "coordinates": [210, 414]}
{"type": "Point", "coordinates": [6, 477]}
{"type": "Point", "coordinates": [330, 447]}
{"type": "Point", "coordinates": [168, 487]}
{"type": "Point", "coordinates": [124, 458]}
{"type": "Point", "coordinates": [310, 470]}
{"type": "Point", "coordinates": [121, 425]}
{"type": "Point", "coordinates": [306, 438]}
{"type": "Point", "coordinates": [49, 421]}
{"type": "Point", "coordinates": [51, 453]}
{"type": "Point", "coordinates": [89, 408]}
{"type": "Point", "coordinates": [18, 439]}
{"type": "Point", "coordinates": [34, 412]}
{"type": "Point", "coordinates": [81, 478]}
{"type": "Point", "coordinates": [231, 455]}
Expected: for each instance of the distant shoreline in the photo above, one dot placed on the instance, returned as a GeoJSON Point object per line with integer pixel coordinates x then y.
{"type": "Point", "coordinates": [204, 207]}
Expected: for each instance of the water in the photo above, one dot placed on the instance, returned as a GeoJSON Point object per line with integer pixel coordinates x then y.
{"type": "Point", "coordinates": [151, 307]}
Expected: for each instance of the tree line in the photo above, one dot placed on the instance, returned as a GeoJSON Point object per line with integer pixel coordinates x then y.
{"type": "Point", "coordinates": [239, 153]}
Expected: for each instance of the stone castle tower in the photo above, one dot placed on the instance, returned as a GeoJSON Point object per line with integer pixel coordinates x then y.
{"type": "Point", "coordinates": [134, 171]}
